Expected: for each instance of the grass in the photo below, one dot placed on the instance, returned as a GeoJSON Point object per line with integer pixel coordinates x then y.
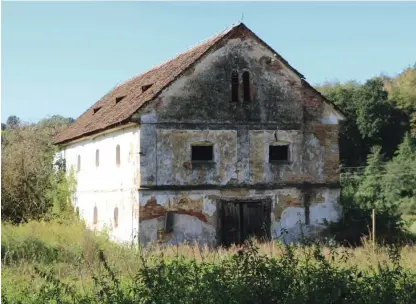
{"type": "Point", "coordinates": [37, 253]}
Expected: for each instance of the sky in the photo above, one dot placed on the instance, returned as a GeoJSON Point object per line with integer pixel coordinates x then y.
{"type": "Point", "coordinates": [59, 58]}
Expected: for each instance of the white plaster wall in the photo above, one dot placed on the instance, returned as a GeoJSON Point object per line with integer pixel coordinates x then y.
{"type": "Point", "coordinates": [108, 186]}
{"type": "Point", "coordinates": [292, 226]}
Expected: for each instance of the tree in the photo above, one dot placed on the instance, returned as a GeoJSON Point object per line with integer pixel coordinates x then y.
{"type": "Point", "coordinates": [369, 193]}
{"type": "Point", "coordinates": [371, 119]}
{"type": "Point", "coordinates": [403, 94]}
{"type": "Point", "coordinates": [12, 122]}
{"type": "Point", "coordinates": [29, 182]}
{"type": "Point", "coordinates": [399, 184]}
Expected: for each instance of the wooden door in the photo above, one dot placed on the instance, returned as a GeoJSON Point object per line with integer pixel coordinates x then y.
{"type": "Point", "coordinates": [256, 221]}
{"type": "Point", "coordinates": [230, 224]}
{"type": "Point", "coordinates": [242, 220]}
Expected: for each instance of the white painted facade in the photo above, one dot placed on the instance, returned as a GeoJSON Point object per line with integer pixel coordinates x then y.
{"type": "Point", "coordinates": [108, 185]}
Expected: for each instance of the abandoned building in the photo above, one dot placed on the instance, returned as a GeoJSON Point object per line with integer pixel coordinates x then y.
{"type": "Point", "coordinates": [223, 142]}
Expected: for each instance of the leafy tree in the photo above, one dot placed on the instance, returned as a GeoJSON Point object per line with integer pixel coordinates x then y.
{"type": "Point", "coordinates": [403, 94]}
{"type": "Point", "coordinates": [12, 122]}
{"type": "Point", "coordinates": [399, 184]}
{"type": "Point", "coordinates": [371, 119]}
{"type": "Point", "coordinates": [30, 185]}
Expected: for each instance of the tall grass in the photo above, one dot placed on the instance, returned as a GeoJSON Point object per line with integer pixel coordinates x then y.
{"type": "Point", "coordinates": [63, 262]}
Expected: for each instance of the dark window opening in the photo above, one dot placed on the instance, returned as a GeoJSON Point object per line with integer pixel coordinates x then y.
{"type": "Point", "coordinates": [202, 153]}
{"type": "Point", "coordinates": [120, 98]}
{"type": "Point", "coordinates": [97, 158]}
{"type": "Point", "coordinates": [169, 221]}
{"type": "Point", "coordinates": [95, 216]}
{"type": "Point", "coordinates": [146, 87]}
{"type": "Point", "coordinates": [234, 86]}
{"type": "Point", "coordinates": [278, 153]}
{"type": "Point", "coordinates": [246, 86]}
{"type": "Point", "coordinates": [79, 163]}
{"type": "Point", "coordinates": [118, 155]}
{"type": "Point", "coordinates": [96, 109]}
{"type": "Point", "coordinates": [115, 217]}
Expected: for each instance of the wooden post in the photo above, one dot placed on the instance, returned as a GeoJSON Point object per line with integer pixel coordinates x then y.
{"type": "Point", "coordinates": [374, 228]}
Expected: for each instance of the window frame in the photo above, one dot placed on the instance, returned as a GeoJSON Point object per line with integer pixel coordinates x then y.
{"type": "Point", "coordinates": [203, 144]}
{"type": "Point", "coordinates": [280, 144]}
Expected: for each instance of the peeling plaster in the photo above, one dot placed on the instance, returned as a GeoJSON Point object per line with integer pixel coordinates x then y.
{"type": "Point", "coordinates": [196, 108]}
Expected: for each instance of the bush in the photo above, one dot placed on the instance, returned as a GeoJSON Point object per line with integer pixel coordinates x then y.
{"type": "Point", "coordinates": [245, 277]}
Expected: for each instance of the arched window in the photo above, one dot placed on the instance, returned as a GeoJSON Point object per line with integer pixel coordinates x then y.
{"type": "Point", "coordinates": [115, 217]}
{"type": "Point", "coordinates": [95, 216]}
{"type": "Point", "coordinates": [79, 163]}
{"type": "Point", "coordinates": [246, 86]}
{"type": "Point", "coordinates": [97, 158]}
{"type": "Point", "coordinates": [118, 155]}
{"type": "Point", "coordinates": [234, 86]}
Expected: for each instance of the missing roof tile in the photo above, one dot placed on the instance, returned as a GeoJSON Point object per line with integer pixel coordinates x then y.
{"type": "Point", "coordinates": [96, 109]}
{"type": "Point", "coordinates": [120, 98]}
{"type": "Point", "coordinates": [146, 87]}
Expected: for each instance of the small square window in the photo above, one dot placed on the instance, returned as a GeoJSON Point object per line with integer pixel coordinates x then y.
{"type": "Point", "coordinates": [202, 153]}
{"type": "Point", "coordinates": [278, 153]}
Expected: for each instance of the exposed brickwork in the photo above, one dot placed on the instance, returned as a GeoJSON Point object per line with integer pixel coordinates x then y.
{"type": "Point", "coordinates": [153, 210]}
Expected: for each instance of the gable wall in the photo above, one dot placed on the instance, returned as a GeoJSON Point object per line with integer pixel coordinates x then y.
{"type": "Point", "coordinates": [197, 107]}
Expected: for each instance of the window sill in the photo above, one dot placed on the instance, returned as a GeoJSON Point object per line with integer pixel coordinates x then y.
{"type": "Point", "coordinates": [280, 162]}
{"type": "Point", "coordinates": [202, 163]}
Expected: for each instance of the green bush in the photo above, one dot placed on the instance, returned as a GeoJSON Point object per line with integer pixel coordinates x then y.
{"type": "Point", "coordinates": [245, 277]}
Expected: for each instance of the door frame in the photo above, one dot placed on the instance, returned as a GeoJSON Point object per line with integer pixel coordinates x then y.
{"type": "Point", "coordinates": [241, 200]}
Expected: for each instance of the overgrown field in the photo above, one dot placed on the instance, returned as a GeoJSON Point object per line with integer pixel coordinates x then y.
{"type": "Point", "coordinates": [43, 262]}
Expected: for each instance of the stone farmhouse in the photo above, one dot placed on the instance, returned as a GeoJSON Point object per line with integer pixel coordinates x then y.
{"type": "Point", "coordinates": [223, 142]}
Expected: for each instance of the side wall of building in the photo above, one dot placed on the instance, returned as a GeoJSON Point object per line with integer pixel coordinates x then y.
{"type": "Point", "coordinates": [106, 186]}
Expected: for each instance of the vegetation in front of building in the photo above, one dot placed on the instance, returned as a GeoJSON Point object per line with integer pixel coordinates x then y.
{"type": "Point", "coordinates": [49, 256]}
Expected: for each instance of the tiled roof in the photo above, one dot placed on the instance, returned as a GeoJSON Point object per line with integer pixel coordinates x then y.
{"type": "Point", "coordinates": [117, 107]}
{"type": "Point", "coordinates": [133, 94]}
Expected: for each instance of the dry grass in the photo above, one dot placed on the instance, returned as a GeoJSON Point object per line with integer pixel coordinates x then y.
{"type": "Point", "coordinates": [363, 257]}
{"type": "Point", "coordinates": [70, 251]}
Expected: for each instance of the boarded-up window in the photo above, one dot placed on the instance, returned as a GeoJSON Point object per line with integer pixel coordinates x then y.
{"type": "Point", "coordinates": [234, 86]}
{"type": "Point", "coordinates": [118, 155]}
{"type": "Point", "coordinates": [115, 217]}
{"type": "Point", "coordinates": [246, 86]}
{"type": "Point", "coordinates": [97, 158]}
{"type": "Point", "coordinates": [278, 153]}
{"type": "Point", "coordinates": [79, 163]}
{"type": "Point", "coordinates": [95, 216]}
